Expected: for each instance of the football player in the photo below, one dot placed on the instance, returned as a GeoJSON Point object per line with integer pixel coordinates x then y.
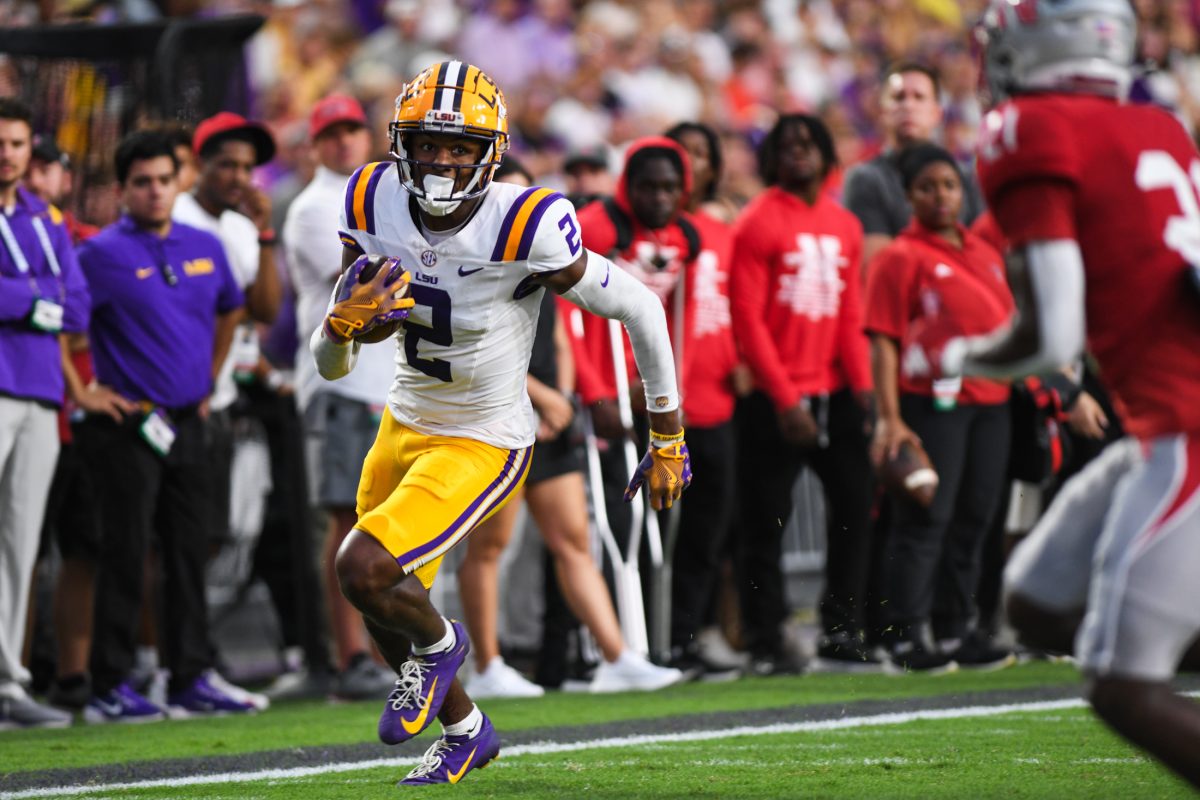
{"type": "Point", "coordinates": [469, 260]}
{"type": "Point", "coordinates": [1100, 201]}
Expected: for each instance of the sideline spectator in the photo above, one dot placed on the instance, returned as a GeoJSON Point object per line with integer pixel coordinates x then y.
{"type": "Point", "coordinates": [164, 309]}
{"type": "Point", "coordinates": [874, 191]}
{"type": "Point", "coordinates": [555, 494]}
{"type": "Point", "coordinates": [51, 178]}
{"type": "Point", "coordinates": [935, 281]}
{"type": "Point", "coordinates": [340, 417]}
{"type": "Point", "coordinates": [42, 295]}
{"type": "Point", "coordinates": [228, 148]}
{"type": "Point", "coordinates": [71, 519]}
{"type": "Point", "coordinates": [798, 318]}
{"type": "Point", "coordinates": [709, 362]}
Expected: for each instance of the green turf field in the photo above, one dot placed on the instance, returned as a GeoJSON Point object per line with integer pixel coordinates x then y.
{"type": "Point", "coordinates": [1059, 752]}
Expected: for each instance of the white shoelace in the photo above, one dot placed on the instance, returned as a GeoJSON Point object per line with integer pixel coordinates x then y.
{"type": "Point", "coordinates": [407, 693]}
{"type": "Point", "coordinates": [432, 759]}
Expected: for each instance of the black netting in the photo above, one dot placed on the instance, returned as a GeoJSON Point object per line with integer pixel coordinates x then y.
{"type": "Point", "coordinates": [90, 84]}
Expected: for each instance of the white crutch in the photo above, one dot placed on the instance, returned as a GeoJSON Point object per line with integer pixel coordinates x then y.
{"type": "Point", "coordinates": [660, 629]}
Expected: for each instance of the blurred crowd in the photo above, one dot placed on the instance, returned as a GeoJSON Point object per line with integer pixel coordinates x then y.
{"type": "Point", "coordinates": [583, 81]}
{"type": "Point", "coordinates": [581, 75]}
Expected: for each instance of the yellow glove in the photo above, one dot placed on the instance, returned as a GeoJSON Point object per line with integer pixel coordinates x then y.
{"type": "Point", "coordinates": [372, 293]}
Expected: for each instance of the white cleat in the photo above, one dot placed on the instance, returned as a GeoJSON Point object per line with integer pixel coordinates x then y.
{"type": "Point", "coordinates": [632, 673]}
{"type": "Point", "coordinates": [260, 701]}
{"type": "Point", "coordinates": [501, 680]}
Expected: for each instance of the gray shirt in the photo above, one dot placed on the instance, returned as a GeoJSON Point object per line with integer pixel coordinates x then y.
{"type": "Point", "coordinates": [875, 194]}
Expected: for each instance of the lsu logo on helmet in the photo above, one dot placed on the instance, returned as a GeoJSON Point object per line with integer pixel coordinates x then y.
{"type": "Point", "coordinates": [456, 99]}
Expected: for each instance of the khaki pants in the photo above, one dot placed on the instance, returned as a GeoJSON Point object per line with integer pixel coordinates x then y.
{"type": "Point", "coordinates": [28, 453]}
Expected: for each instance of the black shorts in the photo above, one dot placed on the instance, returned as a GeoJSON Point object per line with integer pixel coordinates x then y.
{"type": "Point", "coordinates": [556, 457]}
{"type": "Point", "coordinates": [72, 513]}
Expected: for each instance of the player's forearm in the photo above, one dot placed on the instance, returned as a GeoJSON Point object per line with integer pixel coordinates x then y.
{"type": "Point", "coordinates": [333, 360]}
{"type": "Point", "coordinates": [885, 370]}
{"type": "Point", "coordinates": [264, 296]}
{"type": "Point", "coordinates": [1048, 330]}
{"type": "Point", "coordinates": [223, 338]}
{"type": "Point", "coordinates": [608, 291]}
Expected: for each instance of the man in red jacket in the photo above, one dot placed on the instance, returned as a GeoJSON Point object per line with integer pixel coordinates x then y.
{"type": "Point", "coordinates": [797, 317]}
{"type": "Point", "coordinates": [685, 262]}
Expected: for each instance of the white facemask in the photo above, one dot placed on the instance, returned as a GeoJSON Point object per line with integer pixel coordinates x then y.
{"type": "Point", "coordinates": [438, 187]}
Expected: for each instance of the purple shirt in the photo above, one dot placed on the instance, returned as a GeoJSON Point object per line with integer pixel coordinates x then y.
{"type": "Point", "coordinates": [151, 340]}
{"type": "Point", "coordinates": [30, 360]}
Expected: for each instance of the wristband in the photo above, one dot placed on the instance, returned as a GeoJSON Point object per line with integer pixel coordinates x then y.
{"type": "Point", "coordinates": [266, 237]}
{"type": "Point", "coordinates": [659, 440]}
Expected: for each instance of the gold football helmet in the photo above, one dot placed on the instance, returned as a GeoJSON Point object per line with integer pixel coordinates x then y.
{"type": "Point", "coordinates": [456, 99]}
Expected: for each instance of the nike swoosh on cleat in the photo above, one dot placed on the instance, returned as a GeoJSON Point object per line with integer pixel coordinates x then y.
{"type": "Point", "coordinates": [418, 724]}
{"type": "Point", "coordinates": [455, 777]}
{"type": "Point", "coordinates": [109, 709]}
{"type": "Point", "coordinates": [464, 272]}
{"type": "Point", "coordinates": [604, 283]}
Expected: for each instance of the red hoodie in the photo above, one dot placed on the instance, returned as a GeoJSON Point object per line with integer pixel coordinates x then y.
{"type": "Point", "coordinates": [797, 308]}
{"type": "Point", "coordinates": [658, 258]}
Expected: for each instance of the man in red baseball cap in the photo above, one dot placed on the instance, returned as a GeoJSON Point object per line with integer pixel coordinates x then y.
{"type": "Point", "coordinates": [336, 109]}
{"type": "Point", "coordinates": [229, 126]}
{"type": "Point", "coordinates": [225, 202]}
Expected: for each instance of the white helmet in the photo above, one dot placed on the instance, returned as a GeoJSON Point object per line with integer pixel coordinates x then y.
{"type": "Point", "coordinates": [1084, 46]}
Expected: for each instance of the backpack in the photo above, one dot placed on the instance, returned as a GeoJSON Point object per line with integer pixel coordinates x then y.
{"type": "Point", "coordinates": [624, 228]}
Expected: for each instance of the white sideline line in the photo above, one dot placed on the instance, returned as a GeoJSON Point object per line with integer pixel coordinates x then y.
{"type": "Point", "coordinates": [542, 748]}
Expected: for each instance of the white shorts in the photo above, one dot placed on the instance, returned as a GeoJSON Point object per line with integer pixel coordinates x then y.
{"type": "Point", "coordinates": [1123, 541]}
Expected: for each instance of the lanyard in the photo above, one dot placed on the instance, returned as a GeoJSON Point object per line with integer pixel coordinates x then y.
{"type": "Point", "coordinates": [18, 257]}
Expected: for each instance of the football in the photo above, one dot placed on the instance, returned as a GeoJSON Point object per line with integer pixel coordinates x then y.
{"type": "Point", "coordinates": [911, 473]}
{"type": "Point", "coordinates": [383, 332]}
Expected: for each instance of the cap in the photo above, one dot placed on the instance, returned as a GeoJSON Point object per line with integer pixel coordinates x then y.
{"type": "Point", "coordinates": [46, 149]}
{"type": "Point", "coordinates": [334, 109]}
{"type": "Point", "coordinates": [225, 123]}
{"type": "Point", "coordinates": [594, 156]}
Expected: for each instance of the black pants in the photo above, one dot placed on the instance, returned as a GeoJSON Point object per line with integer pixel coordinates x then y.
{"type": "Point", "coordinates": [284, 557]}
{"type": "Point", "coordinates": [768, 469]}
{"type": "Point", "coordinates": [939, 549]}
{"type": "Point", "coordinates": [705, 515]}
{"type": "Point", "coordinates": [140, 493]}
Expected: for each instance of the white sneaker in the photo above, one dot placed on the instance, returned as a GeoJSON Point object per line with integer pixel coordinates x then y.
{"type": "Point", "coordinates": [632, 673]}
{"type": "Point", "coordinates": [501, 680]}
{"type": "Point", "coordinates": [215, 679]}
{"type": "Point", "coordinates": [714, 648]}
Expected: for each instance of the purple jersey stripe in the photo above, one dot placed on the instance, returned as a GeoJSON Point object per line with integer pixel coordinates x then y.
{"type": "Point", "coordinates": [506, 228]}
{"type": "Point", "coordinates": [531, 225]}
{"type": "Point", "coordinates": [416, 555]}
{"type": "Point", "coordinates": [372, 183]}
{"type": "Point", "coordinates": [350, 220]}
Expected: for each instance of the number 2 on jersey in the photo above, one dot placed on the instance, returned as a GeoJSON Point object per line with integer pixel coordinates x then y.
{"type": "Point", "coordinates": [437, 332]}
{"type": "Point", "coordinates": [1157, 169]}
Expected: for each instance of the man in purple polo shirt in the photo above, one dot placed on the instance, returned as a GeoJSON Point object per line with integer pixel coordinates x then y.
{"type": "Point", "coordinates": [164, 309]}
{"type": "Point", "coordinates": [42, 294]}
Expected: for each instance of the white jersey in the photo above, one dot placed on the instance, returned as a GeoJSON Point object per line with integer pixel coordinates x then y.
{"type": "Point", "coordinates": [463, 353]}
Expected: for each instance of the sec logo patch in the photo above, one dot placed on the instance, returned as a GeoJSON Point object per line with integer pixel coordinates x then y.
{"type": "Point", "coordinates": [429, 258]}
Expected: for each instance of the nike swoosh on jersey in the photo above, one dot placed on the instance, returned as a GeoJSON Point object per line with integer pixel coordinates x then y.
{"type": "Point", "coordinates": [418, 724]}
{"type": "Point", "coordinates": [464, 272]}
{"type": "Point", "coordinates": [455, 777]}
{"type": "Point", "coordinates": [604, 283]}
{"type": "Point", "coordinates": [144, 272]}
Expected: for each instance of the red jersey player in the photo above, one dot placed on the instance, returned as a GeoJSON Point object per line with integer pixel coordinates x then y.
{"type": "Point", "coordinates": [1101, 201]}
